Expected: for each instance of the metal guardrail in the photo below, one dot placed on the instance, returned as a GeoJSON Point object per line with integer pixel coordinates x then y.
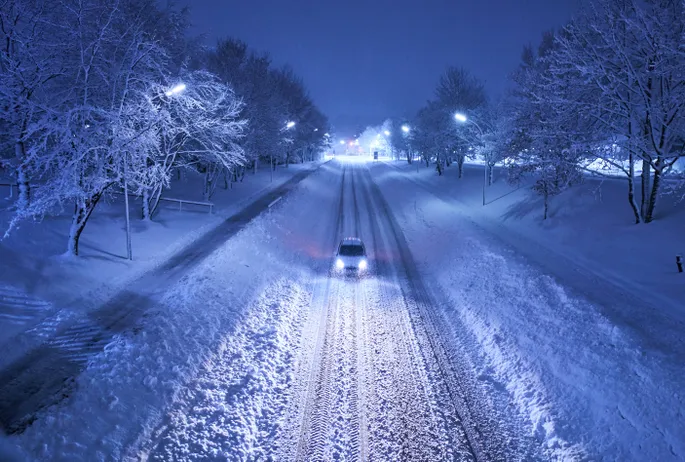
{"type": "Point", "coordinates": [210, 205]}
{"type": "Point", "coordinates": [183, 201]}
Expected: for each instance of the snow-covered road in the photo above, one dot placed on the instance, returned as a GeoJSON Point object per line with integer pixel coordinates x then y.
{"type": "Point", "coordinates": [364, 375]}
{"type": "Point", "coordinates": [451, 348]}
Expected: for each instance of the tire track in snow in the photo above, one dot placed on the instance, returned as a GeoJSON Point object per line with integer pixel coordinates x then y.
{"type": "Point", "coordinates": [410, 400]}
{"type": "Point", "coordinates": [481, 441]}
{"type": "Point", "coordinates": [311, 393]}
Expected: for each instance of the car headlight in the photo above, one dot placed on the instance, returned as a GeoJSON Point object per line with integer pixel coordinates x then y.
{"type": "Point", "coordinates": [339, 264]}
{"type": "Point", "coordinates": [363, 264]}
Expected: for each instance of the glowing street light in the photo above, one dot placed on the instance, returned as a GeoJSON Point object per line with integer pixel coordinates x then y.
{"type": "Point", "coordinates": [342, 141]}
{"type": "Point", "coordinates": [176, 90]}
{"type": "Point", "coordinates": [290, 124]}
{"type": "Point", "coordinates": [463, 119]}
{"type": "Point", "coordinates": [405, 128]}
{"type": "Point", "coordinates": [460, 117]}
{"type": "Point", "coordinates": [387, 133]}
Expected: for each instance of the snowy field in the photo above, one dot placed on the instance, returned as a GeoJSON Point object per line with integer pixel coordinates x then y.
{"type": "Point", "coordinates": [479, 333]}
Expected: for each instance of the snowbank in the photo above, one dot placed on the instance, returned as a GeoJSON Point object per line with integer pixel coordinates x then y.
{"type": "Point", "coordinates": [40, 289]}
{"type": "Point", "coordinates": [125, 390]}
{"type": "Point", "coordinates": [594, 370]}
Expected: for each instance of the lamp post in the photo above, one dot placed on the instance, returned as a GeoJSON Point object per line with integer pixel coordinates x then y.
{"type": "Point", "coordinates": [288, 125]}
{"type": "Point", "coordinates": [405, 131]}
{"type": "Point", "coordinates": [179, 88]}
{"type": "Point", "coordinates": [461, 118]}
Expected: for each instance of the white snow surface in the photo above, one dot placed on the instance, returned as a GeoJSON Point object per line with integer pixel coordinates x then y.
{"type": "Point", "coordinates": [41, 290]}
{"type": "Point", "coordinates": [596, 370]}
{"type": "Point", "coordinates": [571, 344]}
{"type": "Point", "coordinates": [122, 393]}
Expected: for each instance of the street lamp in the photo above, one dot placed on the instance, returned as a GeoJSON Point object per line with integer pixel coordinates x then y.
{"type": "Point", "coordinates": [387, 133]}
{"type": "Point", "coordinates": [179, 88]}
{"type": "Point", "coordinates": [461, 118]}
{"type": "Point", "coordinates": [176, 90]}
{"type": "Point", "coordinates": [290, 124]}
{"type": "Point", "coordinates": [342, 142]}
{"type": "Point", "coordinates": [405, 129]}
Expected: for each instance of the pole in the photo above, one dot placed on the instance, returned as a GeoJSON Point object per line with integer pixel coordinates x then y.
{"type": "Point", "coordinates": [485, 179]}
{"type": "Point", "coordinates": [272, 168]}
{"type": "Point", "coordinates": [129, 251]}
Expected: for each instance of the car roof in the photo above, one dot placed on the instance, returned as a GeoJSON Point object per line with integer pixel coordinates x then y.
{"type": "Point", "coordinates": [352, 241]}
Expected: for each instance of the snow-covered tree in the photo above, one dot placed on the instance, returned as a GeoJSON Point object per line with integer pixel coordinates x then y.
{"type": "Point", "coordinates": [542, 144]}
{"type": "Point", "coordinates": [459, 92]}
{"type": "Point", "coordinates": [623, 62]}
{"type": "Point", "coordinates": [28, 67]}
{"type": "Point", "coordinates": [196, 128]}
{"type": "Point", "coordinates": [93, 127]}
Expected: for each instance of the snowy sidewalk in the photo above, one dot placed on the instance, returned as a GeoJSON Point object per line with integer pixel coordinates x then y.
{"type": "Point", "coordinates": [40, 289]}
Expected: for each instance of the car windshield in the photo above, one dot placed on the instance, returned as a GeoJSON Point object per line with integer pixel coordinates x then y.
{"type": "Point", "coordinates": [351, 250]}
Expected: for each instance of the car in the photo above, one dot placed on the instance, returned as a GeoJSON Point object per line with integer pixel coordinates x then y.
{"type": "Point", "coordinates": [351, 256]}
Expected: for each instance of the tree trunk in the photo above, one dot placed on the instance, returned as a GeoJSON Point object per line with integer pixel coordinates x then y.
{"type": "Point", "coordinates": [157, 199]}
{"type": "Point", "coordinates": [207, 185]}
{"type": "Point", "coordinates": [460, 164]}
{"type": "Point", "coordinates": [654, 195]}
{"type": "Point", "coordinates": [146, 205]}
{"type": "Point", "coordinates": [409, 158]}
{"type": "Point", "coordinates": [491, 173]}
{"type": "Point", "coordinates": [545, 194]}
{"type": "Point", "coordinates": [23, 185]}
{"type": "Point", "coordinates": [254, 165]}
{"type": "Point", "coordinates": [82, 212]}
{"type": "Point", "coordinates": [646, 174]}
{"type": "Point", "coordinates": [631, 188]}
{"type": "Point", "coordinates": [225, 179]}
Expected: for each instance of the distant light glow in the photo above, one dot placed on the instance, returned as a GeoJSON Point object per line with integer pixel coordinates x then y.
{"type": "Point", "coordinates": [342, 141]}
{"type": "Point", "coordinates": [460, 117]}
{"type": "Point", "coordinates": [177, 89]}
{"type": "Point", "coordinates": [316, 129]}
{"type": "Point", "coordinates": [290, 124]}
{"type": "Point", "coordinates": [405, 129]}
{"type": "Point", "coordinates": [387, 133]}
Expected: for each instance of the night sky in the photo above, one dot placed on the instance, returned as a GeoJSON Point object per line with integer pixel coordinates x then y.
{"type": "Point", "coordinates": [364, 61]}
